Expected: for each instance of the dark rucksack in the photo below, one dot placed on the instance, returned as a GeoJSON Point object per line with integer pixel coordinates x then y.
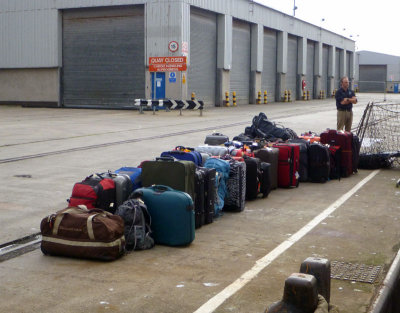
{"type": "Point", "coordinates": [137, 221]}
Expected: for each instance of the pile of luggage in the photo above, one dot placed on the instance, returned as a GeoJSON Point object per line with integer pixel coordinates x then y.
{"type": "Point", "coordinates": [163, 201]}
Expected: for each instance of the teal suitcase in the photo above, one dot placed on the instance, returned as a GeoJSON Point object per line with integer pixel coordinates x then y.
{"type": "Point", "coordinates": [172, 214]}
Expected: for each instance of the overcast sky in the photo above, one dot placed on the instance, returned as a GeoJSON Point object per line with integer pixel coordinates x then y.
{"type": "Point", "coordinates": [374, 25]}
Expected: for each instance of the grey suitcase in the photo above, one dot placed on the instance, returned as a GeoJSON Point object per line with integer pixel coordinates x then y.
{"type": "Point", "coordinates": [270, 155]}
{"type": "Point", "coordinates": [213, 150]}
{"type": "Point", "coordinates": [216, 139]}
{"type": "Point", "coordinates": [123, 187]}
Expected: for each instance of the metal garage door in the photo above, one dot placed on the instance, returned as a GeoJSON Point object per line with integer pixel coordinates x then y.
{"type": "Point", "coordinates": [372, 78]}
{"type": "Point", "coordinates": [291, 76]}
{"type": "Point", "coordinates": [325, 62]}
{"type": "Point", "coordinates": [348, 69]}
{"type": "Point", "coordinates": [337, 69]}
{"type": "Point", "coordinates": [240, 73]}
{"type": "Point", "coordinates": [103, 56]}
{"type": "Point", "coordinates": [203, 55]}
{"type": "Point", "coordinates": [268, 81]}
{"type": "Point", "coordinates": [310, 68]}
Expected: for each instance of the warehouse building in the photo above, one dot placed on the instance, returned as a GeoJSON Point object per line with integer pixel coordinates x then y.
{"type": "Point", "coordinates": [107, 53]}
{"type": "Point", "coordinates": [377, 72]}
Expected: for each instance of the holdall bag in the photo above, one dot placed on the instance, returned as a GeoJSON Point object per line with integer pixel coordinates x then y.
{"type": "Point", "coordinates": [94, 192]}
{"type": "Point", "coordinates": [216, 139]}
{"type": "Point", "coordinates": [81, 233]}
{"type": "Point", "coordinates": [137, 221]}
{"type": "Point", "coordinates": [172, 214]}
{"type": "Point", "coordinates": [213, 150]}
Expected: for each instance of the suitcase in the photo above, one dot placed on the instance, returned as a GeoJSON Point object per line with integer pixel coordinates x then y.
{"type": "Point", "coordinates": [193, 156]}
{"type": "Point", "coordinates": [166, 171]}
{"type": "Point", "coordinates": [311, 138]}
{"type": "Point", "coordinates": [253, 170]}
{"type": "Point", "coordinates": [172, 214]}
{"type": "Point", "coordinates": [344, 140]}
{"type": "Point", "coordinates": [356, 146]}
{"type": "Point", "coordinates": [265, 179]}
{"type": "Point", "coordinates": [271, 156]}
{"type": "Point", "coordinates": [288, 165]}
{"type": "Point", "coordinates": [236, 187]}
{"type": "Point", "coordinates": [216, 139]}
{"type": "Point", "coordinates": [199, 186]}
{"type": "Point", "coordinates": [123, 187]}
{"type": "Point", "coordinates": [335, 157]}
{"type": "Point", "coordinates": [81, 233]}
{"type": "Point", "coordinates": [210, 193]}
{"type": "Point", "coordinates": [94, 192]}
{"type": "Point", "coordinates": [318, 163]}
{"type": "Point", "coordinates": [134, 173]}
{"type": "Point", "coordinates": [303, 165]}
{"type": "Point", "coordinates": [213, 150]}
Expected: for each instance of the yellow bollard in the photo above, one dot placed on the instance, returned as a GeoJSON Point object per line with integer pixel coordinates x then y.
{"type": "Point", "coordinates": [234, 98]}
{"type": "Point", "coordinates": [285, 98]}
{"type": "Point", "coordinates": [308, 95]}
{"type": "Point", "coordinates": [227, 98]}
{"type": "Point", "coordinates": [304, 95]}
{"type": "Point", "coordinates": [265, 97]}
{"type": "Point", "coordinates": [289, 96]}
{"type": "Point", "coordinates": [193, 97]}
{"type": "Point", "coordinates": [259, 97]}
{"type": "Point", "coordinates": [323, 94]}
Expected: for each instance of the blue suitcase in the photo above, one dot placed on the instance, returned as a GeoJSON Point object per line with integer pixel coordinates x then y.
{"type": "Point", "coordinates": [135, 175]}
{"type": "Point", "coordinates": [172, 214]}
{"type": "Point", "coordinates": [193, 156]}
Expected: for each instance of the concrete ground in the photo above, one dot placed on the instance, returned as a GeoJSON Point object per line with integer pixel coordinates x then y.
{"type": "Point", "coordinates": [237, 264]}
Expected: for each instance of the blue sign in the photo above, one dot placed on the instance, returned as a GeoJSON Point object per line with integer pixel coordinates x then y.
{"type": "Point", "coordinates": [172, 77]}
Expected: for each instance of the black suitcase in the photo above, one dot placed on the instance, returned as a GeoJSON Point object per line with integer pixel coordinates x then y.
{"type": "Point", "coordinates": [271, 156]}
{"type": "Point", "coordinates": [252, 177]}
{"type": "Point", "coordinates": [236, 187]}
{"type": "Point", "coordinates": [210, 193]}
{"type": "Point", "coordinates": [318, 163]}
{"type": "Point", "coordinates": [355, 147]}
{"type": "Point", "coordinates": [303, 163]}
{"type": "Point", "coordinates": [265, 179]}
{"type": "Point", "coordinates": [199, 182]}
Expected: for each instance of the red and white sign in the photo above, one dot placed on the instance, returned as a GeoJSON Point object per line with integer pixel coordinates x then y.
{"type": "Point", "coordinates": [167, 64]}
{"type": "Point", "coordinates": [173, 46]}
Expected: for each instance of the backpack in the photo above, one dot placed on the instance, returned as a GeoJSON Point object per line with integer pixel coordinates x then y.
{"type": "Point", "coordinates": [137, 229]}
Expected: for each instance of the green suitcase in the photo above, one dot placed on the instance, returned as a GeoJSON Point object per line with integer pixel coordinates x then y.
{"type": "Point", "coordinates": [172, 214]}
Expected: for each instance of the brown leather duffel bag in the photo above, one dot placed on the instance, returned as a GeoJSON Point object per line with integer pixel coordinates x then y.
{"type": "Point", "coordinates": [82, 233]}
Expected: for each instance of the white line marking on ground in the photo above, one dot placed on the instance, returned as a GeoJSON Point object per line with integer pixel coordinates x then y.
{"type": "Point", "coordinates": [262, 263]}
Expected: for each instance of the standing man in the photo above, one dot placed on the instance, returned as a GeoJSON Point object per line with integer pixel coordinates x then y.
{"type": "Point", "coordinates": [345, 98]}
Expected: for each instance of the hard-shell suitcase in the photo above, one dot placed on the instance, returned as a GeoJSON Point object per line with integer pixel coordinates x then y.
{"type": "Point", "coordinates": [253, 168]}
{"type": "Point", "coordinates": [134, 173]}
{"type": "Point", "coordinates": [166, 171]}
{"type": "Point", "coordinates": [270, 155]}
{"type": "Point", "coordinates": [199, 185]}
{"type": "Point", "coordinates": [193, 156]}
{"type": "Point", "coordinates": [172, 214]}
{"type": "Point", "coordinates": [216, 139]}
{"type": "Point", "coordinates": [210, 193]}
{"type": "Point", "coordinates": [81, 233]}
{"type": "Point", "coordinates": [319, 163]}
{"type": "Point", "coordinates": [123, 187]}
{"type": "Point", "coordinates": [303, 165]}
{"type": "Point", "coordinates": [265, 179]}
{"type": "Point", "coordinates": [344, 140]}
{"type": "Point", "coordinates": [236, 187]}
{"type": "Point", "coordinates": [213, 150]}
{"type": "Point", "coordinates": [288, 165]}
{"type": "Point", "coordinates": [335, 161]}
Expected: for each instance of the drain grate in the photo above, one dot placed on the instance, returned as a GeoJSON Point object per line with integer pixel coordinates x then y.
{"type": "Point", "coordinates": [355, 272]}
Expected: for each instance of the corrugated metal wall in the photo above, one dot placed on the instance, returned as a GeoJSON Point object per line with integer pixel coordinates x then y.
{"type": "Point", "coordinates": [103, 56]}
{"type": "Point", "coordinates": [337, 69]}
{"type": "Point", "coordinates": [310, 67]}
{"type": "Point", "coordinates": [202, 70]}
{"type": "Point", "coordinates": [372, 78]}
{"type": "Point", "coordinates": [325, 64]}
{"type": "Point", "coordinates": [349, 72]}
{"type": "Point", "coordinates": [240, 72]}
{"type": "Point", "coordinates": [291, 75]}
{"type": "Point", "coordinates": [268, 82]}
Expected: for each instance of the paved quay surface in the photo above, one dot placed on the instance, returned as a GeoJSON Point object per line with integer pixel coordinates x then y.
{"type": "Point", "coordinates": [237, 264]}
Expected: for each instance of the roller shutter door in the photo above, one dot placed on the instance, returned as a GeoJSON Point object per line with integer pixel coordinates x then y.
{"type": "Point", "coordinates": [103, 56]}
{"type": "Point", "coordinates": [203, 55]}
{"type": "Point", "coordinates": [310, 68]}
{"type": "Point", "coordinates": [324, 78]}
{"type": "Point", "coordinates": [268, 81]}
{"type": "Point", "coordinates": [337, 69]}
{"type": "Point", "coordinates": [240, 73]}
{"type": "Point", "coordinates": [372, 78]}
{"type": "Point", "coordinates": [348, 69]}
{"type": "Point", "coordinates": [291, 76]}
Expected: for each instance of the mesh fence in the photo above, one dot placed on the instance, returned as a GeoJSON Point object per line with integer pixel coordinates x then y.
{"type": "Point", "coordinates": [379, 133]}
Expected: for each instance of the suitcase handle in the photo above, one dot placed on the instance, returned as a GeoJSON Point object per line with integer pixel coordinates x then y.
{"type": "Point", "coordinates": [161, 188]}
{"type": "Point", "coordinates": [166, 158]}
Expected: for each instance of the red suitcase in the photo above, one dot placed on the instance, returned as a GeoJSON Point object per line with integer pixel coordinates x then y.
{"type": "Point", "coordinates": [345, 141]}
{"type": "Point", "coordinates": [288, 165]}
